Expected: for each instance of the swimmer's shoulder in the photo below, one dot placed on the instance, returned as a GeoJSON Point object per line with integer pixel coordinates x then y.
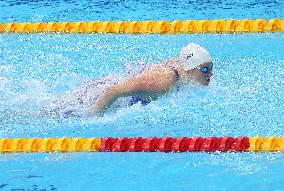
{"type": "Point", "coordinates": [162, 70]}
{"type": "Point", "coordinates": [170, 62]}
{"type": "Point", "coordinates": [166, 66]}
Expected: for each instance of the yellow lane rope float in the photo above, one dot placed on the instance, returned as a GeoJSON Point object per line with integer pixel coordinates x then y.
{"type": "Point", "coordinates": [148, 27]}
{"type": "Point", "coordinates": [140, 144]}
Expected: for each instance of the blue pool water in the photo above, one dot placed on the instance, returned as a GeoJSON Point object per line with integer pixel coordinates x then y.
{"type": "Point", "coordinates": [245, 98]}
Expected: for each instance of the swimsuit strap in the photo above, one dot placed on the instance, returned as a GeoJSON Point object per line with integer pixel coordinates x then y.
{"type": "Point", "coordinates": [177, 76]}
{"type": "Point", "coordinates": [176, 73]}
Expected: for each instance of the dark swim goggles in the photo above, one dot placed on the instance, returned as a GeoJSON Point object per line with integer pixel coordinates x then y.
{"type": "Point", "coordinates": [205, 69]}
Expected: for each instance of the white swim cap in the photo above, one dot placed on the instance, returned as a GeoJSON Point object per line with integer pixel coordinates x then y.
{"type": "Point", "coordinates": [193, 55]}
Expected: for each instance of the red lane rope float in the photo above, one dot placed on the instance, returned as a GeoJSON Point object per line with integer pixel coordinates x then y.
{"type": "Point", "coordinates": [169, 144]}
{"type": "Point", "coordinates": [140, 144]}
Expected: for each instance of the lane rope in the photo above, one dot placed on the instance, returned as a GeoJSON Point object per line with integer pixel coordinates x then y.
{"type": "Point", "coordinates": [148, 27]}
{"type": "Point", "coordinates": [140, 144]}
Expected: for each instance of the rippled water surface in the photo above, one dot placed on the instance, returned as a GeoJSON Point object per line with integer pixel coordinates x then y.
{"type": "Point", "coordinates": [245, 98]}
{"type": "Point", "coordinates": [56, 10]}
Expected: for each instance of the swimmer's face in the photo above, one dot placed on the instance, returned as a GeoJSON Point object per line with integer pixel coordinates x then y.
{"type": "Point", "coordinates": [202, 73]}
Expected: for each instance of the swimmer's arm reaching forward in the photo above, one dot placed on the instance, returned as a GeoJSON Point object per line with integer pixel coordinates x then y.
{"type": "Point", "coordinates": [156, 81]}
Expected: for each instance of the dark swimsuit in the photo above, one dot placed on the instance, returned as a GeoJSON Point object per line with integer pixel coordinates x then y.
{"type": "Point", "coordinates": [136, 99]}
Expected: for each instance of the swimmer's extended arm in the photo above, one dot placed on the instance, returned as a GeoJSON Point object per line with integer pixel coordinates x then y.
{"type": "Point", "coordinates": [154, 81]}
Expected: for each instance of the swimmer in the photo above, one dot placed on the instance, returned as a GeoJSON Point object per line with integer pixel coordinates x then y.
{"type": "Point", "coordinates": [193, 64]}
{"type": "Point", "coordinates": [154, 80]}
